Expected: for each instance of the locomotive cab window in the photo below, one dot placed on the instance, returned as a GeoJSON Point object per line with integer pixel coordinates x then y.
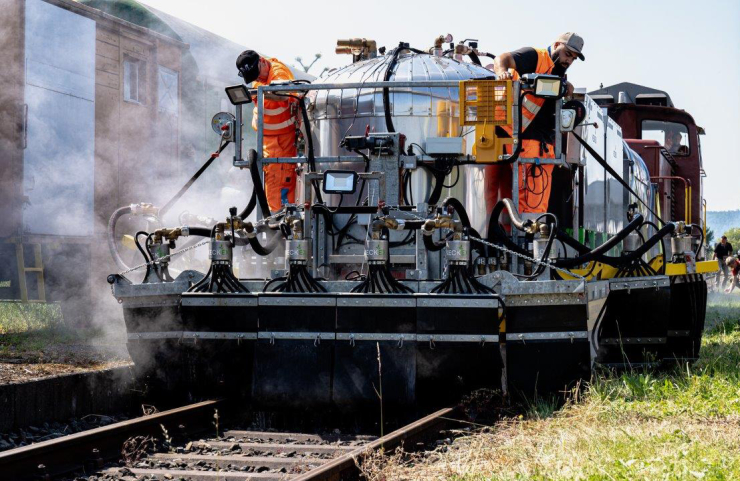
{"type": "Point", "coordinates": [672, 135]}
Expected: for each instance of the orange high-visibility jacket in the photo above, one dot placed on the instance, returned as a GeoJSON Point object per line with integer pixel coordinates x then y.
{"type": "Point", "coordinates": [532, 105]}
{"type": "Point", "coordinates": [279, 116]}
{"type": "Point", "coordinates": [279, 140]}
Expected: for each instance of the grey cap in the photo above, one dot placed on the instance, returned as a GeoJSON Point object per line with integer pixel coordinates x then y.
{"type": "Point", "coordinates": [572, 42]}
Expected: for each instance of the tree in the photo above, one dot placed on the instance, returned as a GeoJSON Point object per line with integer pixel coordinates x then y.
{"type": "Point", "coordinates": [733, 237]}
{"type": "Point", "coordinates": [710, 237]}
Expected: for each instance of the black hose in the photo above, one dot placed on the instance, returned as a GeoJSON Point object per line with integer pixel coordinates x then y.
{"type": "Point", "coordinates": [250, 206]}
{"type": "Point", "coordinates": [195, 177]}
{"type": "Point", "coordinates": [439, 180]}
{"type": "Point", "coordinates": [259, 189]}
{"type": "Point", "coordinates": [380, 280]}
{"type": "Point", "coordinates": [265, 250]}
{"type": "Point", "coordinates": [497, 235]}
{"type": "Point", "coordinates": [199, 231]}
{"type": "Point", "coordinates": [112, 233]}
{"type": "Point", "coordinates": [618, 261]}
{"type": "Point", "coordinates": [474, 57]}
{"type": "Point", "coordinates": [141, 249]}
{"type": "Point", "coordinates": [515, 154]}
{"type": "Point", "coordinates": [662, 246]}
{"type": "Point", "coordinates": [310, 151]}
{"type": "Point", "coordinates": [603, 248]}
{"type": "Point", "coordinates": [386, 91]}
{"type": "Point", "coordinates": [701, 244]}
{"type": "Point", "coordinates": [431, 245]}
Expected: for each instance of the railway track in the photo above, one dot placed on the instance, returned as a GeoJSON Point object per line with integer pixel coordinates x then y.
{"type": "Point", "coordinates": [183, 451]}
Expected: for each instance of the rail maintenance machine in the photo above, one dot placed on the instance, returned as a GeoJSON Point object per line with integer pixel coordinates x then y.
{"type": "Point", "coordinates": [398, 269]}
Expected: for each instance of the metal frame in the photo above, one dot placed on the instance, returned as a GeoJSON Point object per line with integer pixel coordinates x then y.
{"type": "Point", "coordinates": [262, 90]}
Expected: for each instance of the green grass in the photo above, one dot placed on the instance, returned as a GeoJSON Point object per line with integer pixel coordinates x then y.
{"type": "Point", "coordinates": [16, 317]}
{"type": "Point", "coordinates": [679, 424]}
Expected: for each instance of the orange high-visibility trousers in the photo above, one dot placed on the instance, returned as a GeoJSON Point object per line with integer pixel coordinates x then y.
{"type": "Point", "coordinates": [535, 181]}
{"type": "Point", "coordinates": [280, 179]}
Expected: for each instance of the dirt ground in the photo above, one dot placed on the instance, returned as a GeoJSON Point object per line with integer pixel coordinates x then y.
{"type": "Point", "coordinates": [30, 356]}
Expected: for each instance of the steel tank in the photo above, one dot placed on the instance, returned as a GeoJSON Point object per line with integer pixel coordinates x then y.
{"type": "Point", "coordinates": [417, 112]}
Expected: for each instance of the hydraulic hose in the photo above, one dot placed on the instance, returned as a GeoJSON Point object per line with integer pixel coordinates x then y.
{"type": "Point", "coordinates": [515, 155]}
{"type": "Point", "coordinates": [265, 250]}
{"type": "Point", "coordinates": [112, 236]}
{"type": "Point", "coordinates": [250, 206]}
{"type": "Point", "coordinates": [474, 57]}
{"type": "Point", "coordinates": [199, 231]}
{"type": "Point", "coordinates": [497, 235]}
{"type": "Point", "coordinates": [516, 221]}
{"type": "Point", "coordinates": [701, 231]}
{"type": "Point", "coordinates": [259, 190]}
{"type": "Point", "coordinates": [386, 77]}
{"type": "Point", "coordinates": [598, 253]}
{"type": "Point", "coordinates": [386, 91]}
{"type": "Point", "coordinates": [309, 147]}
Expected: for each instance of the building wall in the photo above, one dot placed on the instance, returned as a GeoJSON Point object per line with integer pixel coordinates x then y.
{"type": "Point", "coordinates": [136, 145]}
{"type": "Point", "coordinates": [11, 115]}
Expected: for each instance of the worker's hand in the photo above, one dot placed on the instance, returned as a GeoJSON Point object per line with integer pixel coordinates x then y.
{"type": "Point", "coordinates": [505, 75]}
{"type": "Point", "coordinates": [568, 89]}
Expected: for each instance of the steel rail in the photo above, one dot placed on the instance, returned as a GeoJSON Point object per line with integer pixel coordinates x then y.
{"type": "Point", "coordinates": [68, 453]}
{"type": "Point", "coordinates": [345, 466]}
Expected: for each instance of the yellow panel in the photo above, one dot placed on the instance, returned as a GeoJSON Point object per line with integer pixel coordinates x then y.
{"type": "Point", "coordinates": [485, 102]}
{"type": "Point", "coordinates": [485, 105]}
{"type": "Point", "coordinates": [702, 267]}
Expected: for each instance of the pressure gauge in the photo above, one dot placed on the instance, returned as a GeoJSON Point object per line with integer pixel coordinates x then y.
{"type": "Point", "coordinates": [223, 124]}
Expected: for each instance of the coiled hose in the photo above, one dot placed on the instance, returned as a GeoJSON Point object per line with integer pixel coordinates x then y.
{"type": "Point", "coordinates": [111, 232]}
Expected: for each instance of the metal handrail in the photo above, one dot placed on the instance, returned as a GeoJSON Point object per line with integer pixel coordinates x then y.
{"type": "Point", "coordinates": [687, 193]}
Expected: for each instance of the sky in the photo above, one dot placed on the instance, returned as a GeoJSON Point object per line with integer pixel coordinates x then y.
{"type": "Point", "coordinates": [689, 49]}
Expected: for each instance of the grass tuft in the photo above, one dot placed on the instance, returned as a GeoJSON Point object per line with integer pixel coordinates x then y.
{"type": "Point", "coordinates": [683, 423]}
{"type": "Point", "coordinates": [16, 317]}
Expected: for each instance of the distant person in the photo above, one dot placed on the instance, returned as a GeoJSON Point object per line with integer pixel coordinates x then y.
{"type": "Point", "coordinates": [280, 122]}
{"type": "Point", "coordinates": [673, 142]}
{"type": "Point", "coordinates": [733, 264]}
{"type": "Point", "coordinates": [722, 251]}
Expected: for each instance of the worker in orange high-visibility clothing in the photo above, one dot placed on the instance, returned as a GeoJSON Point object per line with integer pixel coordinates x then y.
{"type": "Point", "coordinates": [538, 121]}
{"type": "Point", "coordinates": [279, 127]}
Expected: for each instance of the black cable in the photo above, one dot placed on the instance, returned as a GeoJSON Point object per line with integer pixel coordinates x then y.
{"type": "Point", "coordinates": [457, 178]}
{"type": "Point", "coordinates": [138, 245]}
{"type": "Point", "coordinates": [614, 174]}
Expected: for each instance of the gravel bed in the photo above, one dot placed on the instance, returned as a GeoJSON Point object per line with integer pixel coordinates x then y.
{"type": "Point", "coordinates": [34, 434]}
{"type": "Point", "coordinates": [233, 458]}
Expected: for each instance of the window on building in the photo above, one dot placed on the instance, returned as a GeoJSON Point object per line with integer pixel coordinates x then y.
{"type": "Point", "coordinates": [672, 135]}
{"type": "Point", "coordinates": [133, 80]}
{"type": "Point", "coordinates": [168, 91]}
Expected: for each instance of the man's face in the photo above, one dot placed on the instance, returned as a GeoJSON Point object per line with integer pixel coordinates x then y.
{"type": "Point", "coordinates": [562, 56]}
{"type": "Point", "coordinates": [724, 240]}
{"type": "Point", "coordinates": [673, 139]}
{"type": "Point", "coordinates": [264, 70]}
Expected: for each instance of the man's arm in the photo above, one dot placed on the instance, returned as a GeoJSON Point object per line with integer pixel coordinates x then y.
{"type": "Point", "coordinates": [502, 64]}
{"type": "Point", "coordinates": [733, 283]}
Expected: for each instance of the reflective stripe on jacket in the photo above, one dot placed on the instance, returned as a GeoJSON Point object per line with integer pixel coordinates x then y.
{"type": "Point", "coordinates": [279, 117]}
{"type": "Point", "coordinates": [531, 104]}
